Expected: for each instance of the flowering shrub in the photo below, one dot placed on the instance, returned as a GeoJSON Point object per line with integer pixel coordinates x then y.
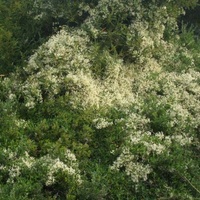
{"type": "Point", "coordinates": [48, 171]}
{"type": "Point", "coordinates": [106, 110]}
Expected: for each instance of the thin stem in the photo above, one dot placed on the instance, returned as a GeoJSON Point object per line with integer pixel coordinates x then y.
{"type": "Point", "coordinates": [188, 182]}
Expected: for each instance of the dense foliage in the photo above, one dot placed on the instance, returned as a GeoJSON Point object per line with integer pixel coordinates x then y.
{"type": "Point", "coordinates": [107, 106]}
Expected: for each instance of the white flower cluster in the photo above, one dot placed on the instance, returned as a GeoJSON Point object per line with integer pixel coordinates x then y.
{"type": "Point", "coordinates": [134, 169]}
{"type": "Point", "coordinates": [180, 91]}
{"type": "Point", "coordinates": [56, 165]}
{"type": "Point", "coordinates": [41, 9]}
{"type": "Point", "coordinates": [145, 29]}
{"type": "Point", "coordinates": [139, 145]}
{"type": "Point", "coordinates": [21, 123]}
{"type": "Point", "coordinates": [62, 57]}
{"type": "Point", "coordinates": [53, 165]}
{"type": "Point", "coordinates": [101, 123]}
{"type": "Point", "coordinates": [65, 62]}
{"type": "Point", "coordinates": [15, 169]}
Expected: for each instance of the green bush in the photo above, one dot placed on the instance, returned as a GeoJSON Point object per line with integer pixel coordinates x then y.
{"type": "Point", "coordinates": [106, 108]}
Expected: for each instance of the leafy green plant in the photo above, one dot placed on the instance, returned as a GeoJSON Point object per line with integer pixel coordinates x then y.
{"type": "Point", "coordinates": [106, 108]}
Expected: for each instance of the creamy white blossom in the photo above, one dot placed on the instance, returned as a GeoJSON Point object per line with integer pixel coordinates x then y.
{"type": "Point", "coordinates": [52, 165]}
